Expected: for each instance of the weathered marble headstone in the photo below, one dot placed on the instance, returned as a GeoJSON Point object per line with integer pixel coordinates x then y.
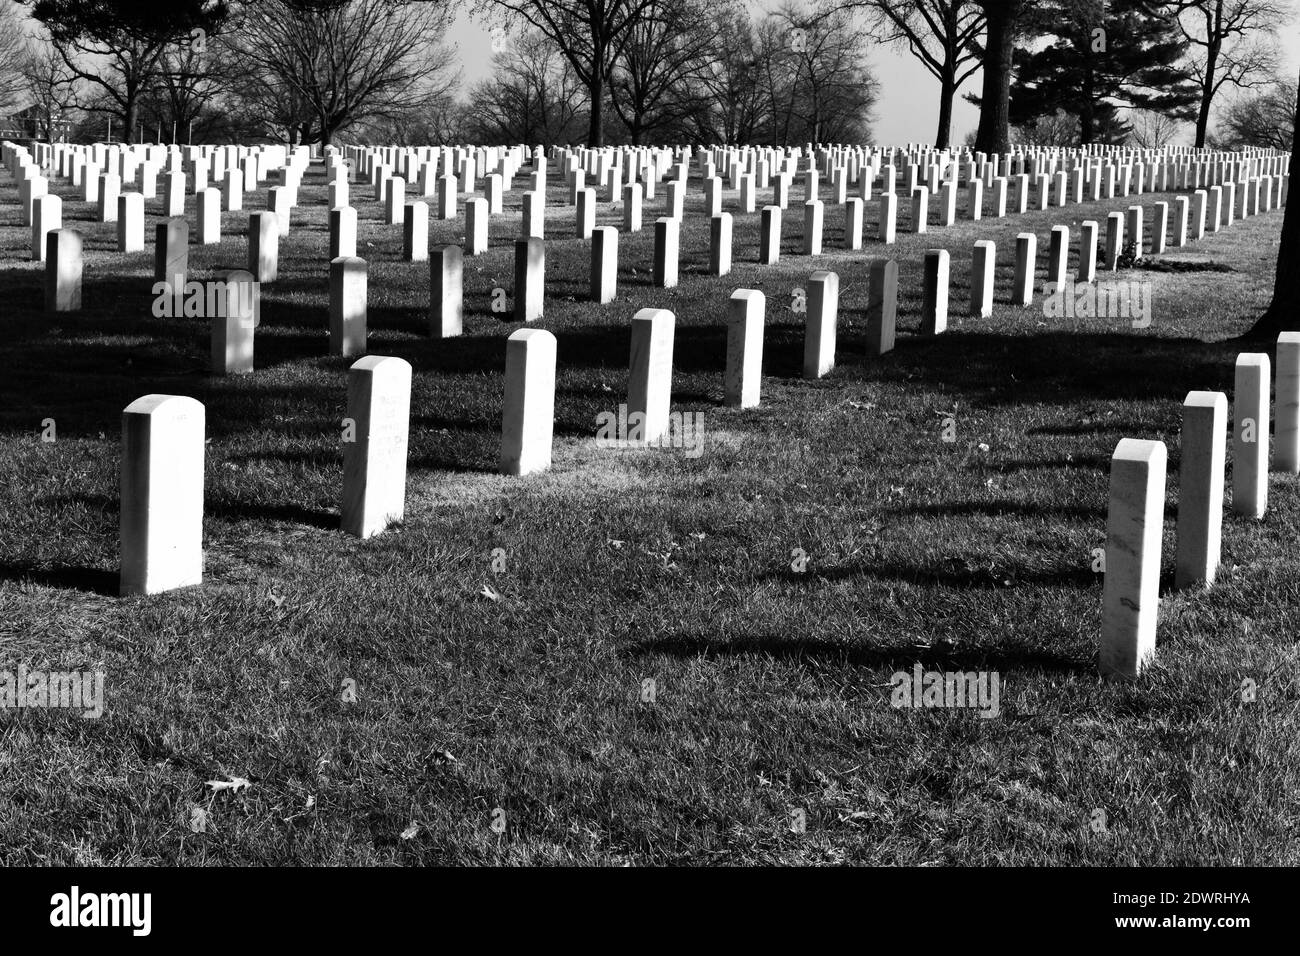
{"type": "Point", "coordinates": [1160, 229]}
{"type": "Point", "coordinates": [162, 494]}
{"type": "Point", "coordinates": [920, 209]}
{"type": "Point", "coordinates": [632, 207]}
{"type": "Point", "coordinates": [744, 374]}
{"type": "Point", "coordinates": [446, 197]}
{"type": "Point", "coordinates": [1026, 255]}
{"type": "Point", "coordinates": [1058, 254]}
{"type": "Point", "coordinates": [530, 275]}
{"type": "Point", "coordinates": [1134, 527]}
{"type": "Point", "coordinates": [853, 223]}
{"type": "Point", "coordinates": [720, 244]}
{"type": "Point", "coordinates": [415, 232]}
{"type": "Point", "coordinates": [769, 235]}
{"type": "Point", "coordinates": [604, 264]}
{"type": "Point", "coordinates": [476, 226]}
{"type": "Point", "coordinates": [233, 326]}
{"type": "Point", "coordinates": [343, 232]}
{"type": "Point", "coordinates": [812, 227]}
{"type": "Point", "coordinates": [1286, 438]}
{"type": "Point", "coordinates": [374, 453]}
{"type": "Point", "coordinates": [278, 203]}
{"type": "Point", "coordinates": [233, 190]}
{"type": "Point", "coordinates": [650, 381]}
{"type": "Point", "coordinates": [446, 291]}
{"type": "Point", "coordinates": [264, 246]}
{"type": "Point", "coordinates": [62, 271]}
{"type": "Point", "coordinates": [822, 304]}
{"type": "Point", "coordinates": [1134, 229]}
{"type": "Point", "coordinates": [348, 300]}
{"type": "Point", "coordinates": [888, 218]}
{"type": "Point", "coordinates": [983, 264]}
{"type": "Point", "coordinates": [1114, 240]}
{"type": "Point", "coordinates": [47, 216]}
{"type": "Point", "coordinates": [174, 196]}
{"type": "Point", "coordinates": [533, 210]}
{"type": "Point", "coordinates": [110, 187]}
{"type": "Point", "coordinates": [1199, 200]}
{"type": "Point", "coordinates": [667, 234]}
{"type": "Point", "coordinates": [130, 222]}
{"type": "Point", "coordinates": [209, 212]}
{"type": "Point", "coordinates": [882, 306]}
{"type": "Point", "coordinates": [1200, 488]}
{"type": "Point", "coordinates": [171, 254]}
{"type": "Point", "coordinates": [1250, 434]}
{"type": "Point", "coordinates": [1180, 221]}
{"type": "Point", "coordinates": [934, 302]}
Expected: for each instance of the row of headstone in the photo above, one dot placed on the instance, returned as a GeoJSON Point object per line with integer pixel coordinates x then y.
{"type": "Point", "coordinates": [1135, 520]}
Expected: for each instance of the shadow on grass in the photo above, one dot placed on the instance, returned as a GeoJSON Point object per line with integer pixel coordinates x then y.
{"type": "Point", "coordinates": [65, 577]}
{"type": "Point", "coordinates": [944, 657]}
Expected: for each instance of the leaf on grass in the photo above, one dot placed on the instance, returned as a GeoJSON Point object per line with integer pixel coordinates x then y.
{"type": "Point", "coordinates": [234, 785]}
{"type": "Point", "coordinates": [410, 832]}
{"type": "Point", "coordinates": [491, 593]}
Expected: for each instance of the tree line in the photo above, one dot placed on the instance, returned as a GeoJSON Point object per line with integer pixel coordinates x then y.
{"type": "Point", "coordinates": [1053, 72]}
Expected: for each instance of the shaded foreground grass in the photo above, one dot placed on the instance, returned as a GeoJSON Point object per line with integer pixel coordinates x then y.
{"type": "Point", "coordinates": [771, 685]}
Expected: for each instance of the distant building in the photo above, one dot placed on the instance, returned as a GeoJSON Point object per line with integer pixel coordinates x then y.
{"type": "Point", "coordinates": [33, 123]}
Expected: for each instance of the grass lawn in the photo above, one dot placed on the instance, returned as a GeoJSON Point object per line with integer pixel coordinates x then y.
{"type": "Point", "coordinates": [771, 685]}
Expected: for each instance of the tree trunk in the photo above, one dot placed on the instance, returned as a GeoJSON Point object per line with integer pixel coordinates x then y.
{"type": "Point", "coordinates": [947, 90]}
{"type": "Point", "coordinates": [1001, 17]}
{"type": "Point", "coordinates": [1282, 314]}
{"type": "Point", "coordinates": [596, 118]}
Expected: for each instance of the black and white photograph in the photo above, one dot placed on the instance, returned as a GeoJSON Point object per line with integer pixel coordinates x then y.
{"type": "Point", "coordinates": [643, 435]}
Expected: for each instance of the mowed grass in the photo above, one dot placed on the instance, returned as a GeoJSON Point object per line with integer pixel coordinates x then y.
{"type": "Point", "coordinates": [771, 685]}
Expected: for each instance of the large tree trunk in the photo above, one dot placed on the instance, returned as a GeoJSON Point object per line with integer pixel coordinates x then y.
{"type": "Point", "coordinates": [1001, 17]}
{"type": "Point", "coordinates": [596, 118]}
{"type": "Point", "coordinates": [947, 90]}
{"type": "Point", "coordinates": [1282, 313]}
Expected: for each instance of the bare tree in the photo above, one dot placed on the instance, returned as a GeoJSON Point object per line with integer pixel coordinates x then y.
{"type": "Point", "coordinates": [1235, 41]}
{"type": "Point", "coordinates": [50, 88]}
{"type": "Point", "coordinates": [590, 34]}
{"type": "Point", "coordinates": [1266, 119]}
{"type": "Point", "coordinates": [655, 84]}
{"type": "Point", "coordinates": [1151, 129]}
{"type": "Point", "coordinates": [832, 91]}
{"type": "Point", "coordinates": [534, 97]}
{"type": "Point", "coordinates": [115, 46]}
{"type": "Point", "coordinates": [1055, 129]}
{"type": "Point", "coordinates": [12, 50]}
{"type": "Point", "coordinates": [942, 34]}
{"type": "Point", "coordinates": [732, 110]}
{"type": "Point", "coordinates": [329, 66]}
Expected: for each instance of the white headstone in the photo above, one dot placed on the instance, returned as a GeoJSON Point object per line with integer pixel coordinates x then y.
{"type": "Point", "coordinates": [823, 302]}
{"type": "Point", "coordinates": [62, 271]}
{"type": "Point", "coordinates": [530, 276]}
{"type": "Point", "coordinates": [374, 460]}
{"type": "Point", "coordinates": [348, 300]}
{"type": "Point", "coordinates": [1200, 488]}
{"type": "Point", "coordinates": [983, 265]}
{"type": "Point", "coordinates": [162, 494]}
{"type": "Point", "coordinates": [604, 264]}
{"type": "Point", "coordinates": [446, 291]}
{"type": "Point", "coordinates": [651, 372]}
{"type": "Point", "coordinates": [744, 375]}
{"type": "Point", "coordinates": [1250, 434]}
{"type": "Point", "coordinates": [1134, 526]}
{"type": "Point", "coordinates": [528, 419]}
{"type": "Point", "coordinates": [934, 304]}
